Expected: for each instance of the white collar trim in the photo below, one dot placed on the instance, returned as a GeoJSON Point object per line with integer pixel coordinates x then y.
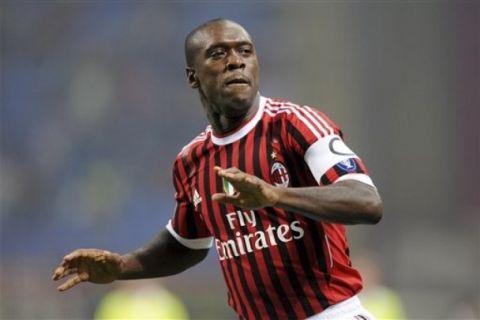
{"type": "Point", "coordinates": [237, 135]}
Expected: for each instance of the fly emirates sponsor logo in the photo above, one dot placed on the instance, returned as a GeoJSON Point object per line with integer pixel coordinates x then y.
{"type": "Point", "coordinates": [245, 243]}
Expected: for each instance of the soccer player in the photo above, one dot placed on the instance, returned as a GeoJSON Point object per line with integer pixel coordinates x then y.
{"type": "Point", "coordinates": [269, 184]}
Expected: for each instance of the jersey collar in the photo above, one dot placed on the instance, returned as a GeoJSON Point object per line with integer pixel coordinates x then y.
{"type": "Point", "coordinates": [243, 130]}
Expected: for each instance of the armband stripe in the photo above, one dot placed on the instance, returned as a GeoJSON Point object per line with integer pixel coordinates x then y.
{"type": "Point", "coordinates": [196, 244]}
{"type": "Point", "coordinates": [348, 166]}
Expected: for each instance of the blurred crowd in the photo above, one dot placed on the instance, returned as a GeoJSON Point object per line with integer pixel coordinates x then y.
{"type": "Point", "coordinates": [95, 107]}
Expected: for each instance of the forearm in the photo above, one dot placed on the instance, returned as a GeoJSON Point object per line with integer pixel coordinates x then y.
{"type": "Point", "coordinates": [346, 202]}
{"type": "Point", "coordinates": [163, 256]}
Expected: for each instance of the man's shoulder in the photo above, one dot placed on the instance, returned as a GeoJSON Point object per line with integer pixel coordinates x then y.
{"type": "Point", "coordinates": [301, 115]}
{"type": "Point", "coordinates": [199, 139]}
{"type": "Point", "coordinates": [279, 102]}
{"type": "Point", "coordinates": [282, 108]}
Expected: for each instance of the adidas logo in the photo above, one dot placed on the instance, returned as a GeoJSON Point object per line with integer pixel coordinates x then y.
{"type": "Point", "coordinates": [196, 198]}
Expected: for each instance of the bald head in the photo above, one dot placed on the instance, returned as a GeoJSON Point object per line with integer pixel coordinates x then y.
{"type": "Point", "coordinates": [222, 65]}
{"type": "Point", "coordinates": [193, 41]}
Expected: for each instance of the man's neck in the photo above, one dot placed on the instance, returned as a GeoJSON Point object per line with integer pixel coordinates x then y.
{"type": "Point", "coordinates": [223, 124]}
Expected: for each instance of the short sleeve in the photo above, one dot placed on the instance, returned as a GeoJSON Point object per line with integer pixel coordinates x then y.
{"type": "Point", "coordinates": [187, 225]}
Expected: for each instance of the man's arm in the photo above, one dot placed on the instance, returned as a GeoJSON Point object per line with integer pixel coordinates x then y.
{"type": "Point", "coordinates": [163, 256]}
{"type": "Point", "coordinates": [346, 202]}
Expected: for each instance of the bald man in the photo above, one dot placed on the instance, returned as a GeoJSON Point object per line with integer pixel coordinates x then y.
{"type": "Point", "coordinates": [269, 184]}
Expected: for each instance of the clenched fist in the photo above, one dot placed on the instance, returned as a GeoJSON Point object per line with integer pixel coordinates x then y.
{"type": "Point", "coordinates": [92, 265]}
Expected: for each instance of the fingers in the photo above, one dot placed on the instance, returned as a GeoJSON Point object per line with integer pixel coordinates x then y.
{"type": "Point", "coordinates": [65, 268]}
{"type": "Point", "coordinates": [231, 169]}
{"type": "Point", "coordinates": [228, 171]}
{"type": "Point", "coordinates": [238, 178]}
{"type": "Point", "coordinates": [225, 198]}
{"type": "Point", "coordinates": [95, 254]}
{"type": "Point", "coordinates": [69, 262]}
{"type": "Point", "coordinates": [72, 261]}
{"type": "Point", "coordinates": [69, 265]}
{"type": "Point", "coordinates": [62, 272]}
{"type": "Point", "coordinates": [73, 281]}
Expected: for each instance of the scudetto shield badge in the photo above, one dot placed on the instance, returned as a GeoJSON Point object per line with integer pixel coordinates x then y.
{"type": "Point", "coordinates": [279, 175]}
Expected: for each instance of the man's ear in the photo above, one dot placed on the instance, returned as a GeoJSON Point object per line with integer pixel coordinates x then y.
{"type": "Point", "coordinates": [191, 78]}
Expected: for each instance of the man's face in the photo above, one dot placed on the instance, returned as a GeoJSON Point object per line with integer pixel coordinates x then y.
{"type": "Point", "coordinates": [225, 68]}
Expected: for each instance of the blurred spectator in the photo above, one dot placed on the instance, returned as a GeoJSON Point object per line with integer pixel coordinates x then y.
{"type": "Point", "coordinates": [140, 300]}
{"type": "Point", "coordinates": [382, 301]}
{"type": "Point", "coordinates": [466, 307]}
{"type": "Point", "coordinates": [94, 108]}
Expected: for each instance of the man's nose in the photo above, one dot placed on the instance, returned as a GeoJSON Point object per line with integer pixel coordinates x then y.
{"type": "Point", "coordinates": [235, 61]}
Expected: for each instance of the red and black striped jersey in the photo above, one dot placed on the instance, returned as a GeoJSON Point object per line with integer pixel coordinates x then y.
{"type": "Point", "coordinates": [277, 264]}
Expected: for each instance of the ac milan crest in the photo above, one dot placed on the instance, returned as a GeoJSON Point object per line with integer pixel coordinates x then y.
{"type": "Point", "coordinates": [279, 175]}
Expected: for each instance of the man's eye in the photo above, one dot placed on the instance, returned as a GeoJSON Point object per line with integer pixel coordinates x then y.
{"type": "Point", "coordinates": [217, 53]}
{"type": "Point", "coordinates": [245, 50]}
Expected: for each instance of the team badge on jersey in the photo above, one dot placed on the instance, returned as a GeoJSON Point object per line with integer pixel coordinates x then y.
{"type": "Point", "coordinates": [279, 175]}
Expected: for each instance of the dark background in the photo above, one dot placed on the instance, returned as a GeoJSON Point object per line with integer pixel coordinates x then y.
{"type": "Point", "coordinates": [95, 107]}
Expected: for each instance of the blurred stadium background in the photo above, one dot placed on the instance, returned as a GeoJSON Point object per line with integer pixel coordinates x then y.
{"type": "Point", "coordinates": [95, 106]}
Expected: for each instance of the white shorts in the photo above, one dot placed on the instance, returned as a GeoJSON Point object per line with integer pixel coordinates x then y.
{"type": "Point", "coordinates": [350, 309]}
